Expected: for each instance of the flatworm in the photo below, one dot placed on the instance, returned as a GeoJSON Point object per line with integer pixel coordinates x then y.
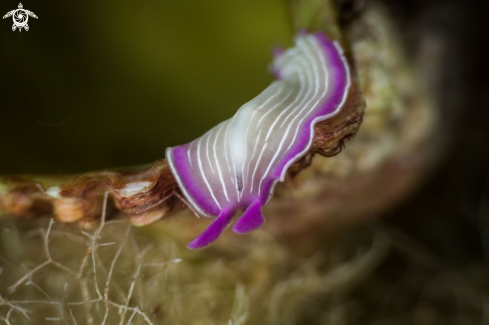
{"type": "Point", "coordinates": [236, 165]}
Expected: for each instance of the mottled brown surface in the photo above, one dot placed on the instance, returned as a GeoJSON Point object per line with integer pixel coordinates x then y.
{"type": "Point", "coordinates": [330, 134]}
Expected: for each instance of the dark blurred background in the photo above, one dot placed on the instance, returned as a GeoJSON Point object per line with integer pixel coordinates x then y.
{"type": "Point", "coordinates": [450, 213]}
{"type": "Point", "coordinates": [95, 85]}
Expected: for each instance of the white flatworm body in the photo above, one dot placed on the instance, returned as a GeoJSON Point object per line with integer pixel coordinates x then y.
{"type": "Point", "coordinates": [236, 165]}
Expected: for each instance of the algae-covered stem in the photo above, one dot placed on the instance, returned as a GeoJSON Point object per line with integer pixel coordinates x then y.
{"type": "Point", "coordinates": [304, 96]}
{"type": "Point", "coordinates": [151, 192]}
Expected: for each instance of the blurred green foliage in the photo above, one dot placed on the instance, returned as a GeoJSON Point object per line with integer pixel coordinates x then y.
{"type": "Point", "coordinates": [99, 84]}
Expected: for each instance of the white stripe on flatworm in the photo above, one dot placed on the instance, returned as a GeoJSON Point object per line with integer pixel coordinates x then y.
{"type": "Point", "coordinates": [203, 175]}
{"type": "Point", "coordinates": [218, 164]}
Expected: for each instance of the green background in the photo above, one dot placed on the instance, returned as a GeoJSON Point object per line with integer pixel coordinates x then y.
{"type": "Point", "coordinates": [100, 84]}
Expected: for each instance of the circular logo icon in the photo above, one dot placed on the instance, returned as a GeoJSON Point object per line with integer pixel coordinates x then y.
{"type": "Point", "coordinates": [20, 17]}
